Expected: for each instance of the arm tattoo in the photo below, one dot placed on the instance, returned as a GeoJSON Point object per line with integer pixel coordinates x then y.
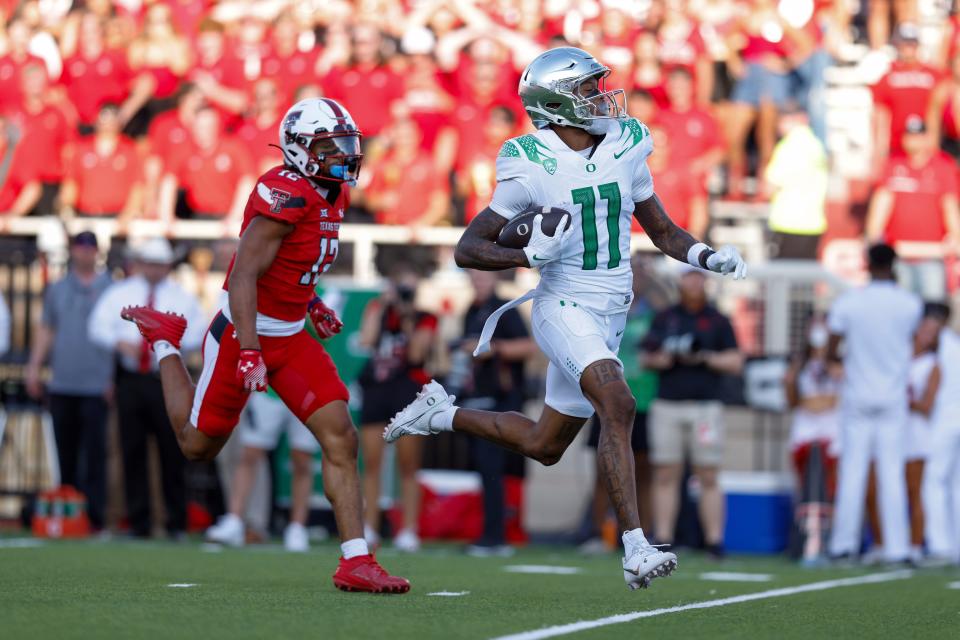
{"type": "Point", "coordinates": [665, 234]}
{"type": "Point", "coordinates": [478, 248]}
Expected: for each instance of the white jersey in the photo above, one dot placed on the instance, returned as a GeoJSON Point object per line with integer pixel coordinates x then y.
{"type": "Point", "coordinates": [599, 189]}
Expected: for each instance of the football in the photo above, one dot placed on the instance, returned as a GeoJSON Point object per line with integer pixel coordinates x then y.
{"type": "Point", "coordinates": [516, 233]}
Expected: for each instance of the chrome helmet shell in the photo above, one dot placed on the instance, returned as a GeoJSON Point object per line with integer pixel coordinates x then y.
{"type": "Point", "coordinates": [550, 90]}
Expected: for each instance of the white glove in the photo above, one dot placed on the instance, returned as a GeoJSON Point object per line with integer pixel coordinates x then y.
{"type": "Point", "coordinates": [728, 260]}
{"type": "Point", "coordinates": [542, 248]}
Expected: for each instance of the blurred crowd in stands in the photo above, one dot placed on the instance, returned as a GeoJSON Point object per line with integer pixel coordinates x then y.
{"type": "Point", "coordinates": [168, 109]}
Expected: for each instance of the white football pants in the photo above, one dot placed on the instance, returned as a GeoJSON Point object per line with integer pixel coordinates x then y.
{"type": "Point", "coordinates": [877, 435]}
{"type": "Point", "coordinates": [940, 495]}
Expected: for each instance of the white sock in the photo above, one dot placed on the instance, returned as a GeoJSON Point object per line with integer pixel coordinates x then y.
{"type": "Point", "coordinates": [163, 349]}
{"type": "Point", "coordinates": [633, 538]}
{"type": "Point", "coordinates": [443, 420]}
{"type": "Point", "coordinates": [354, 548]}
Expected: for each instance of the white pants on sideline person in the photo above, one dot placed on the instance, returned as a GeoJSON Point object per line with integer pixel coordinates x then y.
{"type": "Point", "coordinates": [941, 497]}
{"type": "Point", "coordinates": [878, 435]}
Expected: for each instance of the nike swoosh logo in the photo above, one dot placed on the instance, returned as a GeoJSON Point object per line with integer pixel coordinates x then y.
{"type": "Point", "coordinates": [536, 257]}
{"type": "Point", "coordinates": [620, 333]}
{"type": "Point", "coordinates": [616, 156]}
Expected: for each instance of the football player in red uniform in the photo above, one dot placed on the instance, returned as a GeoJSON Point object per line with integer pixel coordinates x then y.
{"type": "Point", "coordinates": [289, 237]}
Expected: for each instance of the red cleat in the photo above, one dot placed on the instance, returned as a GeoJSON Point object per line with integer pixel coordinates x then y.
{"type": "Point", "coordinates": [364, 573]}
{"type": "Point", "coordinates": [156, 325]}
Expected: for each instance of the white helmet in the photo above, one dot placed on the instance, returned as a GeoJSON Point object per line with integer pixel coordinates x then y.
{"type": "Point", "coordinates": [320, 139]}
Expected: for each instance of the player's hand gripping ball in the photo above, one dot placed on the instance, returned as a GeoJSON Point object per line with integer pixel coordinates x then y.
{"type": "Point", "coordinates": [252, 370]}
{"type": "Point", "coordinates": [324, 320]}
{"type": "Point", "coordinates": [540, 232]}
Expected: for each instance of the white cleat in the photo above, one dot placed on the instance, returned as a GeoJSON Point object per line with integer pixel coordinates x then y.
{"type": "Point", "coordinates": [228, 530]}
{"type": "Point", "coordinates": [295, 538]}
{"type": "Point", "coordinates": [414, 419]}
{"type": "Point", "coordinates": [406, 541]}
{"type": "Point", "coordinates": [644, 562]}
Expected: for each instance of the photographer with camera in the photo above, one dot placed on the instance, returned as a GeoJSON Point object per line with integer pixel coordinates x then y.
{"type": "Point", "coordinates": [399, 338]}
{"type": "Point", "coordinates": [693, 346]}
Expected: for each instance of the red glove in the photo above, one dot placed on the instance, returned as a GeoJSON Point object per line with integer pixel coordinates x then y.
{"type": "Point", "coordinates": [251, 370]}
{"type": "Point", "coordinates": [325, 321]}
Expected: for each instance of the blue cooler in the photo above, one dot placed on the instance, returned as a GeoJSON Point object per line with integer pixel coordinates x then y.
{"type": "Point", "coordinates": [759, 511]}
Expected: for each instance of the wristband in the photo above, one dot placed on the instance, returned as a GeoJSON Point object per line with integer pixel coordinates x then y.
{"type": "Point", "coordinates": [698, 254]}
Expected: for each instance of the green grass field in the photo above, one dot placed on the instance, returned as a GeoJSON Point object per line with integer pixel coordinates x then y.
{"type": "Point", "coordinates": [121, 590]}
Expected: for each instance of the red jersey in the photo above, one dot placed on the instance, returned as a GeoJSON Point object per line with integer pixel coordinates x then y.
{"type": "Point", "coordinates": [290, 73]}
{"type": "Point", "coordinates": [210, 178]}
{"type": "Point", "coordinates": [166, 134]}
{"type": "Point", "coordinates": [258, 139]}
{"type": "Point", "coordinates": [691, 134]}
{"type": "Point", "coordinates": [92, 83]}
{"type": "Point", "coordinates": [917, 213]}
{"type": "Point", "coordinates": [282, 194]}
{"type": "Point", "coordinates": [104, 182]}
{"type": "Point", "coordinates": [10, 72]}
{"type": "Point", "coordinates": [50, 133]}
{"type": "Point", "coordinates": [23, 170]}
{"type": "Point", "coordinates": [905, 90]}
{"type": "Point", "coordinates": [366, 92]}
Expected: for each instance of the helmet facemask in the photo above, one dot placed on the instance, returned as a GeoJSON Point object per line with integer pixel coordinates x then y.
{"type": "Point", "coordinates": [333, 156]}
{"type": "Point", "coordinates": [592, 103]}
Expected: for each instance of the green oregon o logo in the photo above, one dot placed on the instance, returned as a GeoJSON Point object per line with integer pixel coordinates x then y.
{"type": "Point", "coordinates": [591, 168]}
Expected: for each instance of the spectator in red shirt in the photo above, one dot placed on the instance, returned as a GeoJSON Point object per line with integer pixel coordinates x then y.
{"type": "Point", "coordinates": [647, 70]}
{"type": "Point", "coordinates": [680, 45]}
{"type": "Point", "coordinates": [905, 90]}
{"type": "Point", "coordinates": [12, 64]}
{"type": "Point", "coordinates": [683, 199]}
{"type": "Point", "coordinates": [217, 74]}
{"type": "Point", "coordinates": [19, 185]}
{"type": "Point", "coordinates": [163, 56]}
{"type": "Point", "coordinates": [168, 132]}
{"type": "Point", "coordinates": [916, 201]}
{"type": "Point", "coordinates": [105, 174]}
{"type": "Point", "coordinates": [367, 87]}
{"type": "Point", "coordinates": [406, 187]}
{"type": "Point", "coordinates": [426, 100]}
{"type": "Point", "coordinates": [943, 114]}
{"type": "Point", "coordinates": [94, 76]}
{"type": "Point", "coordinates": [693, 132]}
{"type": "Point", "coordinates": [45, 126]}
{"type": "Point", "coordinates": [285, 63]}
{"type": "Point", "coordinates": [477, 176]}
{"type": "Point", "coordinates": [214, 174]}
{"type": "Point", "coordinates": [259, 130]}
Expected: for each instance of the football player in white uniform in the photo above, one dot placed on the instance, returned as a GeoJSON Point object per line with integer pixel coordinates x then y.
{"type": "Point", "coordinates": [588, 157]}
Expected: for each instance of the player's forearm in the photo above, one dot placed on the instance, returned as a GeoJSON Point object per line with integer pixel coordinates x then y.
{"type": "Point", "coordinates": [485, 255]}
{"type": "Point", "coordinates": [243, 308]}
{"type": "Point", "coordinates": [664, 233]}
{"type": "Point", "coordinates": [477, 248]}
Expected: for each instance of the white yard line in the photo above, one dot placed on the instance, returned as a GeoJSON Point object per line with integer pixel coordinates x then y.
{"type": "Point", "coordinates": [541, 569]}
{"type": "Point", "coordinates": [953, 585]}
{"type": "Point", "coordinates": [20, 543]}
{"type": "Point", "coordinates": [449, 594]}
{"type": "Point", "coordinates": [182, 585]}
{"type": "Point", "coordinates": [564, 629]}
{"type": "Point", "coordinates": [732, 576]}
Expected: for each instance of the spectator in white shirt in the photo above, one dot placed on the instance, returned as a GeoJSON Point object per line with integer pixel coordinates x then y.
{"type": "Point", "coordinates": [140, 405]}
{"type": "Point", "coordinates": [940, 499]}
{"type": "Point", "coordinates": [876, 324]}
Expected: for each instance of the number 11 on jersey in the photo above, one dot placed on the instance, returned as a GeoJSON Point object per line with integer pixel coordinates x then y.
{"type": "Point", "coordinates": [609, 191]}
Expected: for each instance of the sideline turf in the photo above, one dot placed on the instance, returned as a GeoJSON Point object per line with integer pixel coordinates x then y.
{"type": "Point", "coordinates": [119, 590]}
